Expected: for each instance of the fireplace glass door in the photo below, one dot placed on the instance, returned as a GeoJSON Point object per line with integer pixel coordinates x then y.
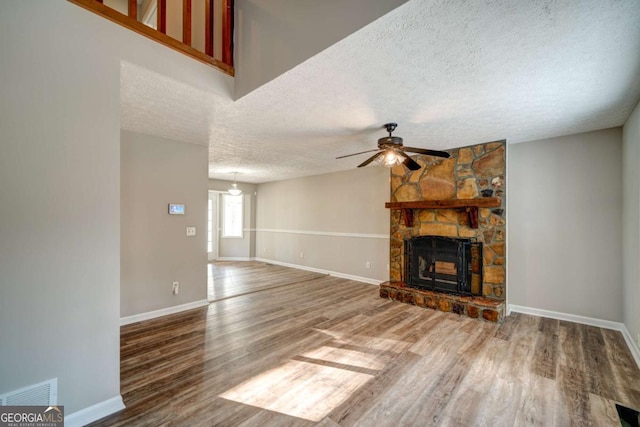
{"type": "Point", "coordinates": [444, 264]}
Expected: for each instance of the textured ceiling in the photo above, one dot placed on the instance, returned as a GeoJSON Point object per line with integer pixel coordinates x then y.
{"type": "Point", "coordinates": [450, 73]}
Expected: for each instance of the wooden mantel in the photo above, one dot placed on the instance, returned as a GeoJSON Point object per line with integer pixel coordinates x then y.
{"type": "Point", "coordinates": [469, 205]}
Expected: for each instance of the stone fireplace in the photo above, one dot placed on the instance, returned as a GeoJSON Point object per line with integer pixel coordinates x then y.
{"type": "Point", "coordinates": [448, 233]}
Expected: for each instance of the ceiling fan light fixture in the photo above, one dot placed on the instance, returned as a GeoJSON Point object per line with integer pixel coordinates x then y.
{"type": "Point", "coordinates": [390, 158]}
{"type": "Point", "coordinates": [391, 152]}
{"type": "Point", "coordinates": [234, 190]}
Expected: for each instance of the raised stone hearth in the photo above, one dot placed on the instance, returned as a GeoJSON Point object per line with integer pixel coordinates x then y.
{"type": "Point", "coordinates": [468, 191]}
{"type": "Point", "coordinates": [475, 307]}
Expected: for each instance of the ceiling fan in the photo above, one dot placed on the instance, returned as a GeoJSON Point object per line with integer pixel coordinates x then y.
{"type": "Point", "coordinates": [391, 152]}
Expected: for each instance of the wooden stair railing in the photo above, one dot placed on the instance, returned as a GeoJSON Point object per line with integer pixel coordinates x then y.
{"type": "Point", "coordinates": [130, 21]}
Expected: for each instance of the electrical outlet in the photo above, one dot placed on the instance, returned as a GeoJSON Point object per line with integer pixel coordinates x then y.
{"type": "Point", "coordinates": [264, 251]}
{"type": "Point", "coordinates": [387, 267]}
{"type": "Point", "coordinates": [175, 288]}
{"type": "Point", "coordinates": [638, 340]}
{"type": "Point", "coordinates": [191, 231]}
{"type": "Point", "coordinates": [367, 265]}
{"type": "Point", "coordinates": [301, 254]}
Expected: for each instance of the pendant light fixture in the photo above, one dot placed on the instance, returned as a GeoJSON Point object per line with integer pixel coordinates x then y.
{"type": "Point", "coordinates": [234, 190]}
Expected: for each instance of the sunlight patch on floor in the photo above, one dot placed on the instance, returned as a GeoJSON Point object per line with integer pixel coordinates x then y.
{"type": "Point", "coordinates": [346, 357]}
{"type": "Point", "coordinates": [299, 389]}
{"type": "Point", "coordinates": [373, 343]}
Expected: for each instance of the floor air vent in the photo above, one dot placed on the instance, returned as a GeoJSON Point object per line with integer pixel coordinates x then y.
{"type": "Point", "coordinates": [44, 393]}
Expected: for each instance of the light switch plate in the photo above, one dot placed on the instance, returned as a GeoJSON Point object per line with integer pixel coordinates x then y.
{"type": "Point", "coordinates": [191, 231]}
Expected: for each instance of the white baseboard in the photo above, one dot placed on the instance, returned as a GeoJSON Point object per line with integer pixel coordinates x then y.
{"type": "Point", "coordinates": [162, 312]}
{"type": "Point", "coordinates": [591, 321]}
{"type": "Point", "coordinates": [356, 278]}
{"type": "Point", "coordinates": [233, 258]}
{"type": "Point", "coordinates": [322, 271]}
{"type": "Point", "coordinates": [94, 412]}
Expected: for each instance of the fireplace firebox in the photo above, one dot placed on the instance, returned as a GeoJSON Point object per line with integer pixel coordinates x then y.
{"type": "Point", "coordinates": [444, 264]}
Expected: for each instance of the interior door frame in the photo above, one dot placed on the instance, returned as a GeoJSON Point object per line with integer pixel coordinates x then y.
{"type": "Point", "coordinates": [215, 236]}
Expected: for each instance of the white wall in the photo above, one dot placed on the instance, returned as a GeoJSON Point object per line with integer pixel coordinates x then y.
{"type": "Point", "coordinates": [337, 220]}
{"type": "Point", "coordinates": [564, 216]}
{"type": "Point", "coordinates": [273, 37]}
{"type": "Point", "coordinates": [155, 250]}
{"type": "Point", "coordinates": [121, 6]}
{"type": "Point", "coordinates": [60, 192]}
{"type": "Point", "coordinates": [631, 223]}
{"type": "Point", "coordinates": [60, 227]}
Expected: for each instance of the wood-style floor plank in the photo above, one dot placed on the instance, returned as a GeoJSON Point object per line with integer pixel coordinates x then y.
{"type": "Point", "coordinates": [225, 280]}
{"type": "Point", "coordinates": [544, 362]}
{"type": "Point", "coordinates": [599, 372]}
{"type": "Point", "coordinates": [285, 347]}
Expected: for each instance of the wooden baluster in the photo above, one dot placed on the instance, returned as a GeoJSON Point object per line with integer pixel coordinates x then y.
{"type": "Point", "coordinates": [227, 32]}
{"type": "Point", "coordinates": [208, 28]}
{"type": "Point", "coordinates": [186, 22]}
{"type": "Point", "coordinates": [162, 16]}
{"type": "Point", "coordinates": [133, 9]}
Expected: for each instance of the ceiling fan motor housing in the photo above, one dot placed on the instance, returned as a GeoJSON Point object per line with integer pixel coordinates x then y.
{"type": "Point", "coordinates": [390, 142]}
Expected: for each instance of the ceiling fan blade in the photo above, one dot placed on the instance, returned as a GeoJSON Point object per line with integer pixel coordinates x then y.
{"type": "Point", "coordinates": [428, 152]}
{"type": "Point", "coordinates": [355, 154]}
{"type": "Point", "coordinates": [371, 159]}
{"type": "Point", "coordinates": [409, 162]}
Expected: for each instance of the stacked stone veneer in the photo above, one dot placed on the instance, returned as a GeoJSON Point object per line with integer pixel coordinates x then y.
{"type": "Point", "coordinates": [470, 172]}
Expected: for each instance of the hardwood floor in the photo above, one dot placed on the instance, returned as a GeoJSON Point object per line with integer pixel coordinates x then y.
{"type": "Point", "coordinates": [323, 351]}
{"type": "Point", "coordinates": [226, 279]}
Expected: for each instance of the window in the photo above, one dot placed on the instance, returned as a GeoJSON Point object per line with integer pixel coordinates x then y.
{"type": "Point", "coordinates": [232, 221]}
